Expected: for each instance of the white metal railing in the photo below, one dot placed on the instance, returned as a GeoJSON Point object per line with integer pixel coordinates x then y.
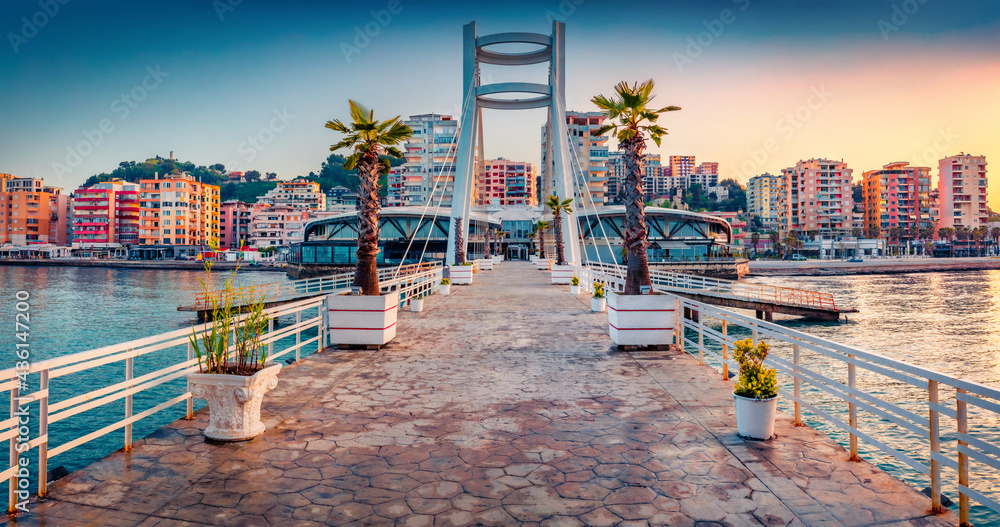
{"type": "Point", "coordinates": [733, 288]}
{"type": "Point", "coordinates": [325, 284]}
{"type": "Point", "coordinates": [51, 411]}
{"type": "Point", "coordinates": [871, 397]}
{"type": "Point", "coordinates": [416, 285]}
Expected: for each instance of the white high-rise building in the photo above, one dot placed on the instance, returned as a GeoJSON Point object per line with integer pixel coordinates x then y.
{"type": "Point", "coordinates": [589, 150]}
{"type": "Point", "coordinates": [430, 157]}
{"type": "Point", "coordinates": [962, 187]}
{"type": "Point", "coordinates": [763, 196]}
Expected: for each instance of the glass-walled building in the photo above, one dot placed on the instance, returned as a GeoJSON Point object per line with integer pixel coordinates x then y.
{"type": "Point", "coordinates": [674, 235]}
{"type": "Point", "coordinates": [406, 235]}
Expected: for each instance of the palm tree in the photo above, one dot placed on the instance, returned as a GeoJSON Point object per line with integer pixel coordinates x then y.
{"type": "Point", "coordinates": [857, 232]}
{"type": "Point", "coordinates": [979, 234]}
{"type": "Point", "coordinates": [531, 239]}
{"type": "Point", "coordinates": [995, 234]}
{"type": "Point", "coordinates": [459, 242]}
{"type": "Point", "coordinates": [540, 228]}
{"type": "Point", "coordinates": [630, 120]}
{"type": "Point", "coordinates": [775, 241]}
{"type": "Point", "coordinates": [558, 207]}
{"type": "Point", "coordinates": [487, 253]}
{"type": "Point", "coordinates": [369, 139]}
{"type": "Point", "coordinates": [754, 241]}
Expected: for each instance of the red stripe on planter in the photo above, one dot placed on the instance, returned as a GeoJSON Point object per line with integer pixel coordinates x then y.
{"type": "Point", "coordinates": [637, 310]}
{"type": "Point", "coordinates": [640, 329]}
{"type": "Point", "coordinates": [364, 329]}
{"type": "Point", "coordinates": [364, 310]}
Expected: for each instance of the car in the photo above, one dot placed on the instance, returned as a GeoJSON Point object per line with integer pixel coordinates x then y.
{"type": "Point", "coordinates": [798, 258]}
{"type": "Point", "coordinates": [856, 259]}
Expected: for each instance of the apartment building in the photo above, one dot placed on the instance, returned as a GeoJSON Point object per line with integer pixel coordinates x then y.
{"type": "Point", "coordinates": [33, 213]}
{"type": "Point", "coordinates": [299, 192]}
{"type": "Point", "coordinates": [177, 209]}
{"type": "Point", "coordinates": [705, 174]}
{"type": "Point", "coordinates": [681, 169]}
{"type": "Point", "coordinates": [588, 151]}
{"type": "Point", "coordinates": [817, 197]}
{"type": "Point", "coordinates": [654, 183]}
{"type": "Point", "coordinates": [962, 189]}
{"type": "Point", "coordinates": [107, 214]}
{"type": "Point", "coordinates": [430, 155]}
{"type": "Point", "coordinates": [277, 225]}
{"type": "Point", "coordinates": [505, 182]}
{"type": "Point", "coordinates": [234, 224]}
{"type": "Point", "coordinates": [898, 195]}
{"type": "Point", "coordinates": [763, 198]}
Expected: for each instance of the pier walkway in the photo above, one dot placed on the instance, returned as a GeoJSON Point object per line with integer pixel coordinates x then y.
{"type": "Point", "coordinates": [500, 404]}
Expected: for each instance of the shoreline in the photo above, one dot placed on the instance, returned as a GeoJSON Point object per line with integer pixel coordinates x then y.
{"type": "Point", "coordinates": [157, 265]}
{"type": "Point", "coordinates": [879, 266]}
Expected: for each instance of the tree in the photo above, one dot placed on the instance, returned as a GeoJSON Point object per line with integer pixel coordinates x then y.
{"type": "Point", "coordinates": [946, 233]}
{"type": "Point", "coordinates": [875, 232]}
{"type": "Point", "coordinates": [775, 241]}
{"type": "Point", "coordinates": [914, 231]}
{"type": "Point", "coordinates": [251, 176]}
{"type": "Point", "coordinates": [557, 208]}
{"type": "Point", "coordinates": [369, 139]}
{"type": "Point", "coordinates": [857, 232]}
{"type": "Point", "coordinates": [894, 233]}
{"type": "Point", "coordinates": [754, 241]}
{"type": "Point", "coordinates": [630, 120]}
{"type": "Point", "coordinates": [540, 229]}
{"type": "Point", "coordinates": [995, 234]}
{"type": "Point", "coordinates": [531, 240]}
{"type": "Point", "coordinates": [271, 176]}
{"type": "Point", "coordinates": [459, 242]}
{"type": "Point", "coordinates": [927, 233]}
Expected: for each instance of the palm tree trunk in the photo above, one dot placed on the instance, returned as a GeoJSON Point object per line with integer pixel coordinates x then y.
{"type": "Point", "coordinates": [637, 268]}
{"type": "Point", "coordinates": [366, 273]}
{"type": "Point", "coordinates": [541, 243]}
{"type": "Point", "coordinates": [560, 250]}
{"type": "Point", "coordinates": [459, 243]}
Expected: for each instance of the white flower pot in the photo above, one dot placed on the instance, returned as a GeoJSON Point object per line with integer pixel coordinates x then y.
{"type": "Point", "coordinates": [574, 290]}
{"type": "Point", "coordinates": [563, 274]}
{"type": "Point", "coordinates": [444, 289]}
{"type": "Point", "coordinates": [461, 274]}
{"type": "Point", "coordinates": [362, 320]}
{"type": "Point", "coordinates": [755, 417]}
{"type": "Point", "coordinates": [641, 320]}
{"type": "Point", "coordinates": [486, 264]}
{"type": "Point", "coordinates": [543, 264]}
{"type": "Point", "coordinates": [233, 401]}
{"type": "Point", "coordinates": [416, 305]}
{"type": "Point", "coordinates": [497, 259]}
{"type": "Point", "coordinates": [597, 304]}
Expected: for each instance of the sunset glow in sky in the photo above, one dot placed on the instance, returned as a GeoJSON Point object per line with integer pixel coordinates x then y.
{"type": "Point", "coordinates": [762, 84]}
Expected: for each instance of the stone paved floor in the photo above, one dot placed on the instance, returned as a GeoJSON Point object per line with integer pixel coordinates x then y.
{"type": "Point", "coordinates": [500, 404]}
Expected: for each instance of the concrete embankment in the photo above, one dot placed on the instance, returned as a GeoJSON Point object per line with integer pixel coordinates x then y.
{"type": "Point", "coordinates": [181, 265]}
{"type": "Point", "coordinates": [886, 266]}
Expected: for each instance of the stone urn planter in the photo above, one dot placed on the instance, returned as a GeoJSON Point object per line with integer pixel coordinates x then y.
{"type": "Point", "coordinates": [460, 274]}
{"type": "Point", "coordinates": [563, 274]}
{"type": "Point", "coordinates": [755, 417]}
{"type": "Point", "coordinates": [362, 320]}
{"type": "Point", "coordinates": [641, 320]}
{"type": "Point", "coordinates": [233, 401]}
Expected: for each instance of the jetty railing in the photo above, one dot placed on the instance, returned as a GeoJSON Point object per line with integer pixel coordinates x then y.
{"type": "Point", "coordinates": [954, 421]}
{"type": "Point", "coordinates": [734, 288]}
{"type": "Point", "coordinates": [325, 284]}
{"type": "Point", "coordinates": [50, 411]}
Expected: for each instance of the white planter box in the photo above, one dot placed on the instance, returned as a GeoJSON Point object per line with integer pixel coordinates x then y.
{"type": "Point", "coordinates": [486, 264]}
{"type": "Point", "coordinates": [533, 258]}
{"type": "Point", "coordinates": [574, 290]}
{"type": "Point", "coordinates": [461, 274]}
{"type": "Point", "coordinates": [543, 264]}
{"type": "Point", "coordinates": [755, 417]}
{"type": "Point", "coordinates": [233, 401]}
{"type": "Point", "coordinates": [563, 274]}
{"type": "Point", "coordinates": [444, 289]}
{"type": "Point", "coordinates": [497, 259]}
{"type": "Point", "coordinates": [597, 305]}
{"type": "Point", "coordinates": [416, 305]}
{"type": "Point", "coordinates": [641, 320]}
{"type": "Point", "coordinates": [362, 320]}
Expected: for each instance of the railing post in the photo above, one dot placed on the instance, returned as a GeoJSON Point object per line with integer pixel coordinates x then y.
{"type": "Point", "coordinates": [190, 400]}
{"type": "Point", "coordinates": [322, 325]}
{"type": "Point", "coordinates": [963, 460]}
{"type": "Point", "coordinates": [935, 436]}
{"type": "Point", "coordinates": [43, 431]}
{"type": "Point", "coordinates": [15, 392]}
{"type": "Point", "coordinates": [298, 333]}
{"type": "Point", "coordinates": [725, 351]}
{"type": "Point", "coordinates": [701, 339]}
{"type": "Point", "coordinates": [853, 410]}
{"type": "Point", "coordinates": [797, 385]}
{"type": "Point", "coordinates": [129, 364]}
{"type": "Point", "coordinates": [678, 325]}
{"type": "Point", "coordinates": [270, 329]}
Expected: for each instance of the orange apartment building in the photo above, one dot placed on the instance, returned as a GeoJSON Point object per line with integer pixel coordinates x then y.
{"type": "Point", "coordinates": [817, 197]}
{"type": "Point", "coordinates": [898, 195]}
{"type": "Point", "coordinates": [505, 182]}
{"type": "Point", "coordinates": [32, 213]}
{"type": "Point", "coordinates": [177, 209]}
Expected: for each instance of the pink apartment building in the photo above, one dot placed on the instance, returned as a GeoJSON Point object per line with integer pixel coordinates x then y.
{"type": "Point", "coordinates": [277, 225]}
{"type": "Point", "coordinates": [962, 187]}
{"type": "Point", "coordinates": [234, 224]}
{"type": "Point", "coordinates": [106, 213]}
{"type": "Point", "coordinates": [817, 197]}
{"type": "Point", "coordinates": [506, 182]}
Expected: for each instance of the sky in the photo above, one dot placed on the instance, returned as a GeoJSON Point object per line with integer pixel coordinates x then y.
{"type": "Point", "coordinates": [85, 84]}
